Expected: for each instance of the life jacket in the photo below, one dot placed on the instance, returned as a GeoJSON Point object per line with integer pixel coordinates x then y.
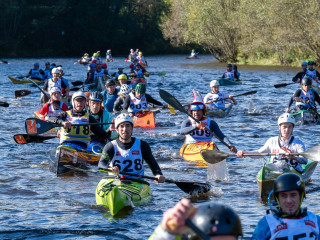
{"type": "Point", "coordinates": [229, 75]}
{"type": "Point", "coordinates": [136, 104]}
{"type": "Point", "coordinates": [306, 96]}
{"type": "Point", "coordinates": [35, 74]}
{"type": "Point", "coordinates": [52, 111]}
{"type": "Point", "coordinates": [98, 74]}
{"type": "Point", "coordinates": [311, 73]}
{"type": "Point", "coordinates": [57, 84]}
{"type": "Point", "coordinates": [139, 73]}
{"type": "Point", "coordinates": [199, 135]}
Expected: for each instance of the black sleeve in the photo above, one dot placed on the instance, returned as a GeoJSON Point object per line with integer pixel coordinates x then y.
{"type": "Point", "coordinates": [106, 156]}
{"type": "Point", "coordinates": [59, 118]}
{"type": "Point", "coordinates": [152, 100]}
{"type": "Point", "coordinates": [63, 84]}
{"type": "Point", "coordinates": [214, 127]}
{"type": "Point", "coordinates": [117, 104]}
{"type": "Point", "coordinates": [316, 96]}
{"type": "Point", "coordinates": [127, 102]}
{"type": "Point", "coordinates": [97, 130]}
{"type": "Point", "coordinates": [317, 74]}
{"type": "Point", "coordinates": [186, 127]}
{"type": "Point", "coordinates": [297, 77]}
{"type": "Point", "coordinates": [41, 72]}
{"type": "Point", "coordinates": [223, 75]}
{"type": "Point", "coordinates": [149, 158]}
{"type": "Point", "coordinates": [296, 94]}
{"type": "Point", "coordinates": [45, 86]}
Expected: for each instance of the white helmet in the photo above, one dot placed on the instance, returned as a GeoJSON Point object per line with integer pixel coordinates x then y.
{"type": "Point", "coordinates": [54, 89]}
{"type": "Point", "coordinates": [214, 83]}
{"type": "Point", "coordinates": [76, 95]}
{"type": "Point", "coordinates": [60, 68]}
{"type": "Point", "coordinates": [123, 117]}
{"type": "Point", "coordinates": [125, 90]}
{"type": "Point", "coordinates": [55, 70]}
{"type": "Point", "coordinates": [286, 118]}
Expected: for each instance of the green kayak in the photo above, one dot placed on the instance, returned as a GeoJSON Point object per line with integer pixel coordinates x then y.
{"type": "Point", "coordinates": [268, 173]}
{"type": "Point", "coordinates": [306, 116]}
{"type": "Point", "coordinates": [226, 82]}
{"type": "Point", "coordinates": [115, 194]}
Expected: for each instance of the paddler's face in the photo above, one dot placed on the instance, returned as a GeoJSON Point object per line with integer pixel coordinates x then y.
{"type": "Point", "coordinates": [197, 114]}
{"type": "Point", "coordinates": [111, 89]}
{"type": "Point", "coordinates": [55, 96]}
{"type": "Point", "coordinates": [310, 67]}
{"type": "Point", "coordinates": [306, 88]}
{"type": "Point", "coordinates": [55, 75]}
{"type": "Point", "coordinates": [94, 106]}
{"type": "Point", "coordinates": [289, 202]}
{"type": "Point", "coordinates": [286, 130]}
{"type": "Point", "coordinates": [215, 89]}
{"type": "Point", "coordinates": [79, 104]}
{"type": "Point", "coordinates": [125, 131]}
{"type": "Point", "coordinates": [123, 81]}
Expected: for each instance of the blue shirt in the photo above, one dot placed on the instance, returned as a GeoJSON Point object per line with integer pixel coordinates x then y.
{"type": "Point", "coordinates": [109, 99]}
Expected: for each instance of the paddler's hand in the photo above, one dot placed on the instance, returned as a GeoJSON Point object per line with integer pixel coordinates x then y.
{"type": "Point", "coordinates": [112, 127]}
{"type": "Point", "coordinates": [240, 154]}
{"type": "Point", "coordinates": [115, 170]}
{"type": "Point", "coordinates": [232, 148]}
{"type": "Point", "coordinates": [131, 115]}
{"type": "Point", "coordinates": [66, 125]}
{"type": "Point", "coordinates": [164, 106]}
{"type": "Point", "coordinates": [160, 178]}
{"type": "Point", "coordinates": [287, 110]}
{"type": "Point", "coordinates": [173, 220]}
{"type": "Point", "coordinates": [209, 102]}
{"type": "Point", "coordinates": [201, 126]}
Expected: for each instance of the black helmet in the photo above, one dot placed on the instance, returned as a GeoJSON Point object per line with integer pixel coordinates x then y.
{"type": "Point", "coordinates": [138, 64]}
{"type": "Point", "coordinates": [306, 81]}
{"type": "Point", "coordinates": [110, 82]}
{"type": "Point", "coordinates": [311, 62]}
{"type": "Point", "coordinates": [217, 219]}
{"type": "Point", "coordinates": [229, 65]}
{"type": "Point", "coordinates": [288, 182]}
{"type": "Point", "coordinates": [96, 96]}
{"type": "Point", "coordinates": [235, 67]}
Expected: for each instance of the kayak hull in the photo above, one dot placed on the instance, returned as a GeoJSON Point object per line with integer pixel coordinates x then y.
{"type": "Point", "coordinates": [192, 57]}
{"type": "Point", "coordinates": [227, 82]}
{"type": "Point", "coordinates": [306, 117]}
{"type": "Point", "coordinates": [145, 120]}
{"type": "Point", "coordinates": [268, 173]}
{"type": "Point", "coordinates": [116, 194]}
{"type": "Point", "coordinates": [220, 113]}
{"type": "Point", "coordinates": [24, 80]}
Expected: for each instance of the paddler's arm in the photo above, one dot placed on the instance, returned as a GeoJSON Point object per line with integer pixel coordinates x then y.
{"type": "Point", "coordinates": [59, 118]}
{"type": "Point", "coordinates": [316, 96]}
{"type": "Point", "coordinates": [262, 231]}
{"type": "Point", "coordinates": [127, 102]}
{"type": "Point", "coordinates": [45, 86]}
{"type": "Point", "coordinates": [106, 156]}
{"type": "Point", "coordinates": [216, 130]}
{"type": "Point", "coordinates": [97, 130]}
{"type": "Point", "coordinates": [293, 98]}
{"type": "Point", "coordinates": [297, 77]}
{"type": "Point", "coordinates": [117, 104]}
{"type": "Point", "coordinates": [151, 161]}
{"type": "Point", "coordinates": [186, 127]}
{"type": "Point", "coordinates": [266, 148]}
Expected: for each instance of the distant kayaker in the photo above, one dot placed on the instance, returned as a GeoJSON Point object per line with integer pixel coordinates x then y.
{"type": "Point", "coordinates": [299, 76]}
{"type": "Point", "coordinates": [313, 73]}
{"type": "Point", "coordinates": [36, 72]}
{"type": "Point", "coordinates": [236, 73]}
{"type": "Point", "coordinates": [215, 221]}
{"type": "Point", "coordinates": [289, 220]}
{"type": "Point", "coordinates": [124, 92]}
{"type": "Point", "coordinates": [127, 153]}
{"type": "Point", "coordinates": [138, 75]}
{"type": "Point", "coordinates": [84, 59]}
{"type": "Point", "coordinates": [118, 73]}
{"type": "Point", "coordinates": [99, 72]}
{"type": "Point", "coordinates": [284, 143]}
{"type": "Point", "coordinates": [304, 97]}
{"type": "Point", "coordinates": [216, 100]}
{"type": "Point", "coordinates": [62, 77]}
{"type": "Point", "coordinates": [229, 73]}
{"type": "Point", "coordinates": [47, 71]}
{"type": "Point", "coordinates": [193, 53]}
{"type": "Point", "coordinates": [123, 79]}
{"type": "Point", "coordinates": [197, 132]}
{"type": "Point", "coordinates": [141, 59]}
{"type": "Point", "coordinates": [138, 100]}
{"type": "Point", "coordinates": [132, 55]}
{"type": "Point", "coordinates": [78, 137]}
{"type": "Point", "coordinates": [54, 105]}
{"type": "Point", "coordinates": [109, 57]}
{"type": "Point", "coordinates": [90, 74]}
{"type": "Point", "coordinates": [110, 95]}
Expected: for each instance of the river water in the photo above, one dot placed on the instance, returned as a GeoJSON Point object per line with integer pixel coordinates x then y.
{"type": "Point", "coordinates": [36, 204]}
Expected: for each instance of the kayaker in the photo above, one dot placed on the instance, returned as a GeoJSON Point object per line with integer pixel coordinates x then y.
{"type": "Point", "coordinates": [236, 73]}
{"type": "Point", "coordinates": [120, 72]}
{"type": "Point", "coordinates": [124, 92]}
{"type": "Point", "coordinates": [90, 74]}
{"type": "Point", "coordinates": [304, 97]}
{"type": "Point", "coordinates": [104, 67]}
{"type": "Point", "coordinates": [193, 53]}
{"type": "Point", "coordinates": [36, 72]}
{"type": "Point", "coordinates": [110, 95]}
{"type": "Point", "coordinates": [99, 72]}
{"type": "Point", "coordinates": [138, 75]}
{"type": "Point", "coordinates": [299, 76]}
{"type": "Point", "coordinates": [138, 100]}
{"type": "Point", "coordinates": [62, 77]}
{"type": "Point", "coordinates": [78, 137]}
{"type": "Point", "coordinates": [109, 57]}
{"type": "Point", "coordinates": [197, 132]}
{"type": "Point", "coordinates": [47, 71]}
{"type": "Point", "coordinates": [215, 221]}
{"type": "Point", "coordinates": [54, 105]}
{"type": "Point", "coordinates": [101, 115]}
{"type": "Point", "coordinates": [313, 73]}
{"type": "Point", "coordinates": [95, 56]}
{"type": "Point", "coordinates": [141, 59]}
{"type": "Point", "coordinates": [289, 220]}
{"type": "Point", "coordinates": [229, 73]}
{"type": "Point", "coordinates": [123, 79]}
{"type": "Point", "coordinates": [84, 59]}
{"type": "Point", "coordinates": [127, 153]}
{"type": "Point", "coordinates": [216, 100]}
{"type": "Point", "coordinates": [284, 143]}
{"type": "Point", "coordinates": [132, 55]}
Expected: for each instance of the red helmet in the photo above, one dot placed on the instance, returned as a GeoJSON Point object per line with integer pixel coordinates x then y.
{"type": "Point", "coordinates": [104, 65]}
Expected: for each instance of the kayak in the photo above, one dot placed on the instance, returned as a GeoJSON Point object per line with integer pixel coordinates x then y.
{"type": "Point", "coordinates": [192, 57]}
{"type": "Point", "coordinates": [268, 173]}
{"type": "Point", "coordinates": [191, 152]}
{"type": "Point", "coordinates": [306, 116]}
{"type": "Point", "coordinates": [116, 194]}
{"type": "Point", "coordinates": [24, 80]}
{"type": "Point", "coordinates": [226, 82]}
{"type": "Point", "coordinates": [220, 113]}
{"type": "Point", "coordinates": [66, 155]}
{"type": "Point", "coordinates": [145, 119]}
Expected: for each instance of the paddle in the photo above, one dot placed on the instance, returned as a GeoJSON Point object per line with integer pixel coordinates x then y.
{"type": "Point", "coordinates": [171, 100]}
{"type": "Point", "coordinates": [4, 61]}
{"type": "Point", "coordinates": [35, 126]}
{"type": "Point", "coordinates": [187, 187]}
{"type": "Point", "coordinates": [213, 156]}
{"type": "Point", "coordinates": [4, 104]}
{"type": "Point", "coordinates": [39, 88]}
{"type": "Point", "coordinates": [77, 83]}
{"type": "Point", "coordinates": [241, 94]}
{"type": "Point", "coordinates": [283, 84]}
{"type": "Point", "coordinates": [25, 138]}
{"type": "Point", "coordinates": [23, 93]}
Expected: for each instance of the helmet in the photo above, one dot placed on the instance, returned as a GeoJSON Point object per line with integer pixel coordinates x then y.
{"type": "Point", "coordinates": [304, 63]}
{"type": "Point", "coordinates": [288, 182]}
{"type": "Point", "coordinates": [53, 64]}
{"type": "Point", "coordinates": [138, 64]}
{"type": "Point", "coordinates": [140, 53]}
{"type": "Point", "coordinates": [306, 80]}
{"type": "Point", "coordinates": [36, 64]}
{"type": "Point", "coordinates": [214, 83]}
{"type": "Point", "coordinates": [311, 62]}
{"type": "Point", "coordinates": [54, 89]}
{"type": "Point", "coordinates": [96, 96]}
{"type": "Point", "coordinates": [197, 106]}
{"type": "Point", "coordinates": [123, 117]}
{"type": "Point", "coordinates": [110, 82]}
{"type": "Point", "coordinates": [95, 54]}
{"type": "Point", "coordinates": [94, 61]}
{"type": "Point", "coordinates": [131, 50]}
{"type": "Point", "coordinates": [60, 68]}
{"type": "Point", "coordinates": [125, 90]}
{"type": "Point", "coordinates": [92, 65]}
{"type": "Point", "coordinates": [192, 50]}
{"type": "Point", "coordinates": [234, 67]}
{"type": "Point", "coordinates": [122, 77]}
{"type": "Point", "coordinates": [141, 88]}
{"type": "Point", "coordinates": [104, 65]}
{"type": "Point", "coordinates": [55, 70]}
{"type": "Point", "coordinates": [47, 63]}
{"type": "Point", "coordinates": [108, 50]}
{"type": "Point", "coordinates": [216, 219]}
{"type": "Point", "coordinates": [86, 54]}
{"type": "Point", "coordinates": [78, 94]}
{"type": "Point", "coordinates": [286, 118]}
{"type": "Point", "coordinates": [229, 65]}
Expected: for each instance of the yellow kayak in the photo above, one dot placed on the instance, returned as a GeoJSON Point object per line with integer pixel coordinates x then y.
{"type": "Point", "coordinates": [24, 80]}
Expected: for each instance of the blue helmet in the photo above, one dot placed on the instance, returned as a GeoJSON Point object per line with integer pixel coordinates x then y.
{"type": "Point", "coordinates": [36, 64]}
{"type": "Point", "coordinates": [198, 106]}
{"type": "Point", "coordinates": [304, 63]}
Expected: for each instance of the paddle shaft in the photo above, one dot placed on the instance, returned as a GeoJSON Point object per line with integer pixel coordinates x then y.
{"type": "Point", "coordinates": [242, 94]}
{"type": "Point", "coordinates": [283, 84]}
{"type": "Point", "coordinates": [265, 154]}
{"type": "Point", "coordinates": [39, 88]}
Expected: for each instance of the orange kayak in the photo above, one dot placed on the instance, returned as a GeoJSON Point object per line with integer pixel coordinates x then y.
{"type": "Point", "coordinates": [146, 119]}
{"type": "Point", "coordinates": [38, 115]}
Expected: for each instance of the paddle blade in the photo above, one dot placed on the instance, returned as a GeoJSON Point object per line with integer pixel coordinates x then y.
{"type": "Point", "coordinates": [35, 126]}
{"type": "Point", "coordinates": [282, 85]}
{"type": "Point", "coordinates": [212, 156]}
{"type": "Point", "coordinates": [247, 93]}
{"type": "Point", "coordinates": [193, 187]}
{"type": "Point", "coordinates": [4, 104]}
{"type": "Point", "coordinates": [171, 100]}
{"type": "Point", "coordinates": [312, 154]}
{"type": "Point", "coordinates": [21, 93]}
{"type": "Point", "coordinates": [25, 138]}
{"type": "Point", "coordinates": [77, 83]}
{"type": "Point", "coordinates": [171, 110]}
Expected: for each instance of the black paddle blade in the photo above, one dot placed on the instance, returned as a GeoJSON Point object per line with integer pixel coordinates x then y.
{"type": "Point", "coordinates": [193, 188]}
{"type": "Point", "coordinates": [21, 93]}
{"type": "Point", "coordinates": [35, 126]}
{"type": "Point", "coordinates": [25, 138]}
{"type": "Point", "coordinates": [4, 104]}
{"type": "Point", "coordinates": [171, 100]}
{"type": "Point", "coordinates": [77, 83]}
{"type": "Point", "coordinates": [212, 156]}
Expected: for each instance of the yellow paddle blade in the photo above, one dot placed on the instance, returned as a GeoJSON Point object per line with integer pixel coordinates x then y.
{"type": "Point", "coordinates": [171, 109]}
